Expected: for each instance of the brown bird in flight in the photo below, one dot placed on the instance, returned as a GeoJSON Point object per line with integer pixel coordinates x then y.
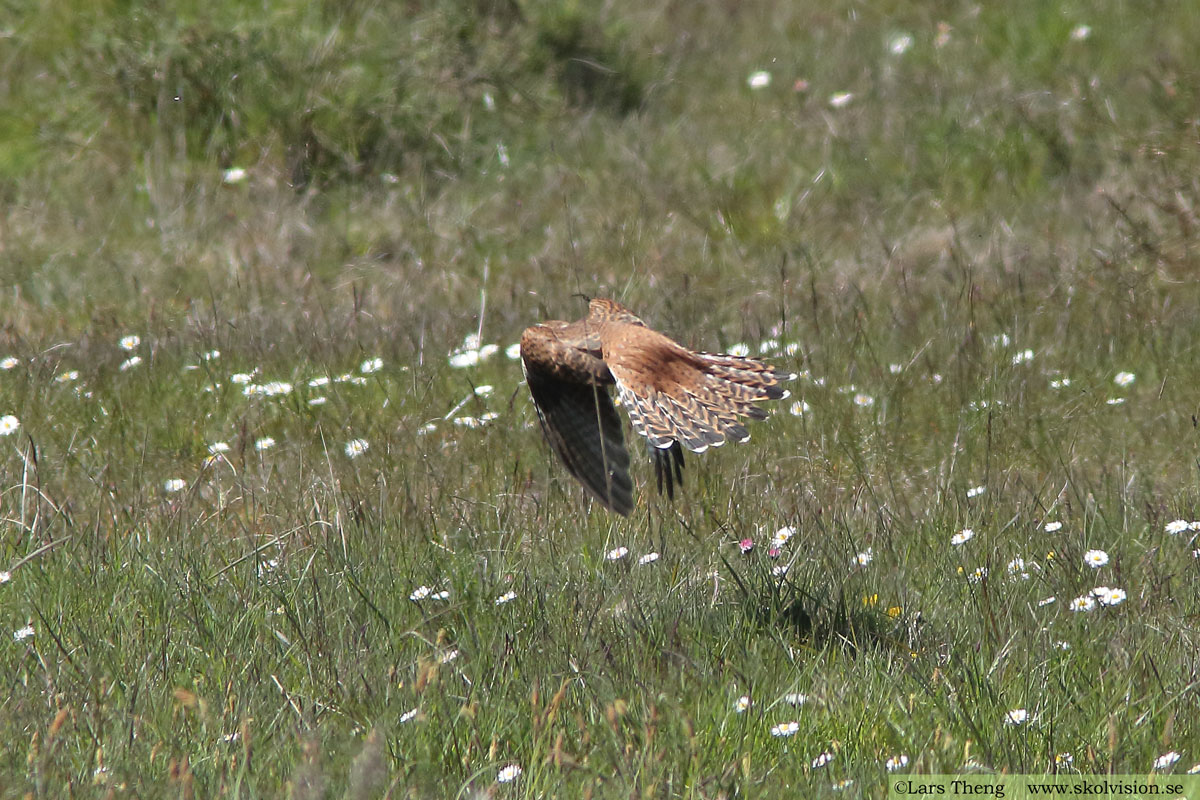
{"type": "Point", "coordinates": [674, 397]}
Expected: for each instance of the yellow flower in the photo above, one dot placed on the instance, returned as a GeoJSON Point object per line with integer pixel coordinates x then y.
{"type": "Point", "coordinates": [894, 612]}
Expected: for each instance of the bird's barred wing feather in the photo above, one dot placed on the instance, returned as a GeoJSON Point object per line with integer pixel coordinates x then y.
{"type": "Point", "coordinates": [696, 399]}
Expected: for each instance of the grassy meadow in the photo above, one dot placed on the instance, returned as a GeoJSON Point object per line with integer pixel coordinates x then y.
{"type": "Point", "coordinates": [276, 517]}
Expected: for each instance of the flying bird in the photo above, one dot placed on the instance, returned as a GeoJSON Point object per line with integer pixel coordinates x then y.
{"type": "Point", "coordinates": [674, 397]}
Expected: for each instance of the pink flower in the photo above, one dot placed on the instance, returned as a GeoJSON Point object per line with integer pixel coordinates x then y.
{"type": "Point", "coordinates": [746, 545]}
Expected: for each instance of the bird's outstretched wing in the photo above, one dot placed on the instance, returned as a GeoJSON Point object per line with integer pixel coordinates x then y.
{"type": "Point", "coordinates": [570, 392]}
{"type": "Point", "coordinates": [676, 396]}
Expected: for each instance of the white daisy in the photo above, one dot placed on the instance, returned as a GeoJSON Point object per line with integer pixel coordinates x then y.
{"type": "Point", "coordinates": [1124, 378]}
{"type": "Point", "coordinates": [1017, 568]}
{"type": "Point", "coordinates": [508, 774]}
{"type": "Point", "coordinates": [863, 400]}
{"type": "Point", "coordinates": [1165, 760]}
{"type": "Point", "coordinates": [1176, 527]}
{"type": "Point", "coordinates": [1080, 32]}
{"type": "Point", "coordinates": [785, 729]}
{"type": "Point", "coordinates": [896, 762]}
{"type": "Point", "coordinates": [9, 425]}
{"type": "Point", "coordinates": [316, 383]}
{"type": "Point", "coordinates": [21, 634]}
{"type": "Point", "coordinates": [840, 99]}
{"type": "Point", "coordinates": [513, 351]}
{"type": "Point", "coordinates": [799, 408]}
{"type": "Point", "coordinates": [962, 537]}
{"type": "Point", "coordinates": [1095, 558]}
{"type": "Point", "coordinates": [741, 704]}
{"type": "Point", "coordinates": [739, 350]}
{"type": "Point", "coordinates": [759, 80]}
{"type": "Point", "coordinates": [242, 377]}
{"type": "Point", "coordinates": [900, 43]}
{"type": "Point", "coordinates": [371, 365]}
{"type": "Point", "coordinates": [1083, 604]}
{"type": "Point", "coordinates": [649, 558]}
{"type": "Point", "coordinates": [9, 362]}
{"type": "Point", "coordinates": [265, 443]}
{"type": "Point", "coordinates": [507, 597]}
{"type": "Point", "coordinates": [129, 342]}
{"type": "Point", "coordinates": [233, 175]}
{"type": "Point", "coordinates": [407, 715]}
{"type": "Point", "coordinates": [484, 390]}
{"type": "Point", "coordinates": [175, 485]}
{"type": "Point", "coordinates": [975, 491]}
{"type": "Point", "coordinates": [1108, 596]}
{"type": "Point", "coordinates": [1045, 601]}
{"type": "Point", "coordinates": [467, 358]}
{"type": "Point", "coordinates": [864, 558]}
{"type": "Point", "coordinates": [356, 447]}
{"type": "Point", "coordinates": [420, 593]}
{"type": "Point", "coordinates": [782, 536]}
{"type": "Point", "coordinates": [218, 447]}
{"type": "Point", "coordinates": [1018, 716]}
{"type": "Point", "coordinates": [795, 699]}
{"type": "Point", "coordinates": [822, 760]}
{"type": "Point", "coordinates": [616, 554]}
{"type": "Point", "coordinates": [130, 363]}
{"type": "Point", "coordinates": [1051, 527]}
{"type": "Point", "coordinates": [318, 401]}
